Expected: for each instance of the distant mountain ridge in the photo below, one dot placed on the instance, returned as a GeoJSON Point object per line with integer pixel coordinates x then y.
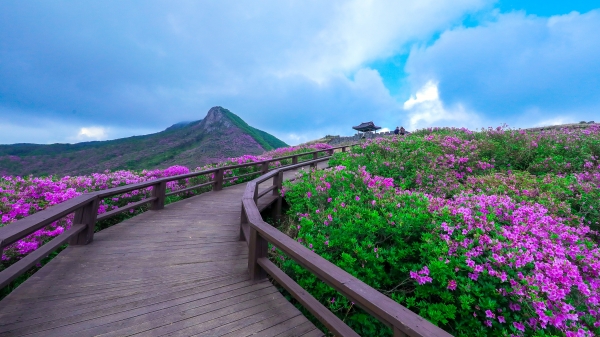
{"type": "Point", "coordinates": [180, 125]}
{"type": "Point", "coordinates": [220, 135]}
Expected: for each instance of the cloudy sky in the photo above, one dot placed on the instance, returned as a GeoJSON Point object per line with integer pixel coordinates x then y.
{"type": "Point", "coordinates": [92, 70]}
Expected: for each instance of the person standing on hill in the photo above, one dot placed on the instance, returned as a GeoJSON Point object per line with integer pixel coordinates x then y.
{"type": "Point", "coordinates": [397, 131]}
{"type": "Point", "coordinates": [402, 131]}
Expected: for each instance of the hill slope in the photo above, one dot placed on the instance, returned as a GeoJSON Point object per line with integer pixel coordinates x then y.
{"type": "Point", "coordinates": [220, 135]}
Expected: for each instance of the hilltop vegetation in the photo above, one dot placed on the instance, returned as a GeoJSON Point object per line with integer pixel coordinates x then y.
{"type": "Point", "coordinates": [487, 233]}
{"type": "Point", "coordinates": [220, 135]}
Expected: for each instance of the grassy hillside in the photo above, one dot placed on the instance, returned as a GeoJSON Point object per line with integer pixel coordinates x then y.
{"type": "Point", "coordinates": [193, 144]}
{"type": "Point", "coordinates": [267, 141]}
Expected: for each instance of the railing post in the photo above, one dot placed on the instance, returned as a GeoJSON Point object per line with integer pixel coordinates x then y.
{"type": "Point", "coordinates": [218, 180]}
{"type": "Point", "coordinates": [85, 215]}
{"type": "Point", "coordinates": [330, 152]}
{"type": "Point", "coordinates": [243, 220]}
{"type": "Point", "coordinates": [343, 149]}
{"type": "Point", "coordinates": [256, 194]}
{"type": "Point", "coordinates": [295, 160]}
{"type": "Point", "coordinates": [158, 191]}
{"type": "Point", "coordinates": [258, 249]}
{"type": "Point", "coordinates": [277, 181]}
{"type": "Point", "coordinates": [315, 155]}
{"type": "Point", "coordinates": [264, 167]}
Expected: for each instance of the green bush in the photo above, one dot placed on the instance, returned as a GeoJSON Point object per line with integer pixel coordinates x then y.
{"type": "Point", "coordinates": [483, 234]}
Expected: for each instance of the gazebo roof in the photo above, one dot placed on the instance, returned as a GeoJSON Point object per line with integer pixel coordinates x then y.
{"type": "Point", "coordinates": [366, 126]}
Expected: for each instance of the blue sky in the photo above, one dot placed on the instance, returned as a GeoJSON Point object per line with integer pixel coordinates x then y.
{"type": "Point", "coordinates": [77, 71]}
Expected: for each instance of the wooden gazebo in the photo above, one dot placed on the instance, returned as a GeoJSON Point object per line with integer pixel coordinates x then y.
{"type": "Point", "coordinates": [366, 127]}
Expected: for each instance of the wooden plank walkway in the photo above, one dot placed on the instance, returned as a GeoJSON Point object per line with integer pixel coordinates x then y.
{"type": "Point", "coordinates": [180, 271]}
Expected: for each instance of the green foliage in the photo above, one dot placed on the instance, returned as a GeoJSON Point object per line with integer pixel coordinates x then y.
{"type": "Point", "coordinates": [365, 241]}
{"type": "Point", "coordinates": [389, 213]}
{"type": "Point", "coordinates": [267, 141]}
{"type": "Point", "coordinates": [273, 141]}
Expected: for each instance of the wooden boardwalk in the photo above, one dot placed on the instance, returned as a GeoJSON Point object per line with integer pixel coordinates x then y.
{"type": "Point", "coordinates": [180, 271]}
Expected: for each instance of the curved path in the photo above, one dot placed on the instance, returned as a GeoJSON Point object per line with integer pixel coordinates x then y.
{"type": "Point", "coordinates": [180, 271]}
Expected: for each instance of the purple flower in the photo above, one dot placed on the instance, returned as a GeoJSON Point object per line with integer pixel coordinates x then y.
{"type": "Point", "coordinates": [519, 326]}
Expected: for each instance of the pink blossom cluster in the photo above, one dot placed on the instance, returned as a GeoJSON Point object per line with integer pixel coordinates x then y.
{"type": "Point", "coordinates": [377, 183]}
{"type": "Point", "coordinates": [547, 263]}
{"type": "Point", "coordinates": [284, 151]}
{"type": "Point", "coordinates": [248, 159]}
{"type": "Point", "coordinates": [20, 197]}
{"type": "Point", "coordinates": [421, 276]}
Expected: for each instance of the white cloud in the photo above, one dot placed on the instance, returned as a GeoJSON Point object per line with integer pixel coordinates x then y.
{"type": "Point", "coordinates": [92, 133]}
{"type": "Point", "coordinates": [426, 109]}
{"type": "Point", "coordinates": [556, 121]}
{"type": "Point", "coordinates": [516, 68]}
{"type": "Point", "coordinates": [360, 31]}
{"type": "Point", "coordinates": [429, 92]}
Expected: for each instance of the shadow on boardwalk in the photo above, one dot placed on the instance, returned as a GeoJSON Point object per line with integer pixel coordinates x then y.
{"type": "Point", "coordinates": [180, 271]}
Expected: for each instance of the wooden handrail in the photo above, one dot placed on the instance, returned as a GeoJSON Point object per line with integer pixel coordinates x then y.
{"type": "Point", "coordinates": [85, 208]}
{"type": "Point", "coordinates": [17, 230]}
{"type": "Point", "coordinates": [15, 270]}
{"type": "Point", "coordinates": [120, 210]}
{"type": "Point", "coordinates": [258, 234]}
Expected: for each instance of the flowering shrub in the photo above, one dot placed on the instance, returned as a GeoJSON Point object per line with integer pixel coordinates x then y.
{"type": "Point", "coordinates": [23, 196]}
{"type": "Point", "coordinates": [487, 233]}
{"type": "Point", "coordinates": [287, 151]}
{"type": "Point", "coordinates": [20, 197]}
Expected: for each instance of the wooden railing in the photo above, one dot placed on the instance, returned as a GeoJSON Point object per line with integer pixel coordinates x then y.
{"type": "Point", "coordinates": [258, 234]}
{"type": "Point", "coordinates": [86, 215]}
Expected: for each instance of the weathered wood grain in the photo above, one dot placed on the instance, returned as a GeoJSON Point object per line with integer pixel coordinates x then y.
{"type": "Point", "coordinates": [179, 271]}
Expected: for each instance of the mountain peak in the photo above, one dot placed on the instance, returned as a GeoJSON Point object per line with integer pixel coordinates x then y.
{"type": "Point", "coordinates": [216, 110]}
{"type": "Point", "coordinates": [220, 135]}
{"type": "Point", "coordinates": [216, 118]}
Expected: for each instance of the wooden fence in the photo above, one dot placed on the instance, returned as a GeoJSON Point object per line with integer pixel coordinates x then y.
{"type": "Point", "coordinates": [258, 234]}
{"type": "Point", "coordinates": [86, 215]}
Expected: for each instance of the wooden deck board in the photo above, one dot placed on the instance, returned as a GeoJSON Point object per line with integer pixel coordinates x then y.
{"type": "Point", "coordinates": [180, 271]}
